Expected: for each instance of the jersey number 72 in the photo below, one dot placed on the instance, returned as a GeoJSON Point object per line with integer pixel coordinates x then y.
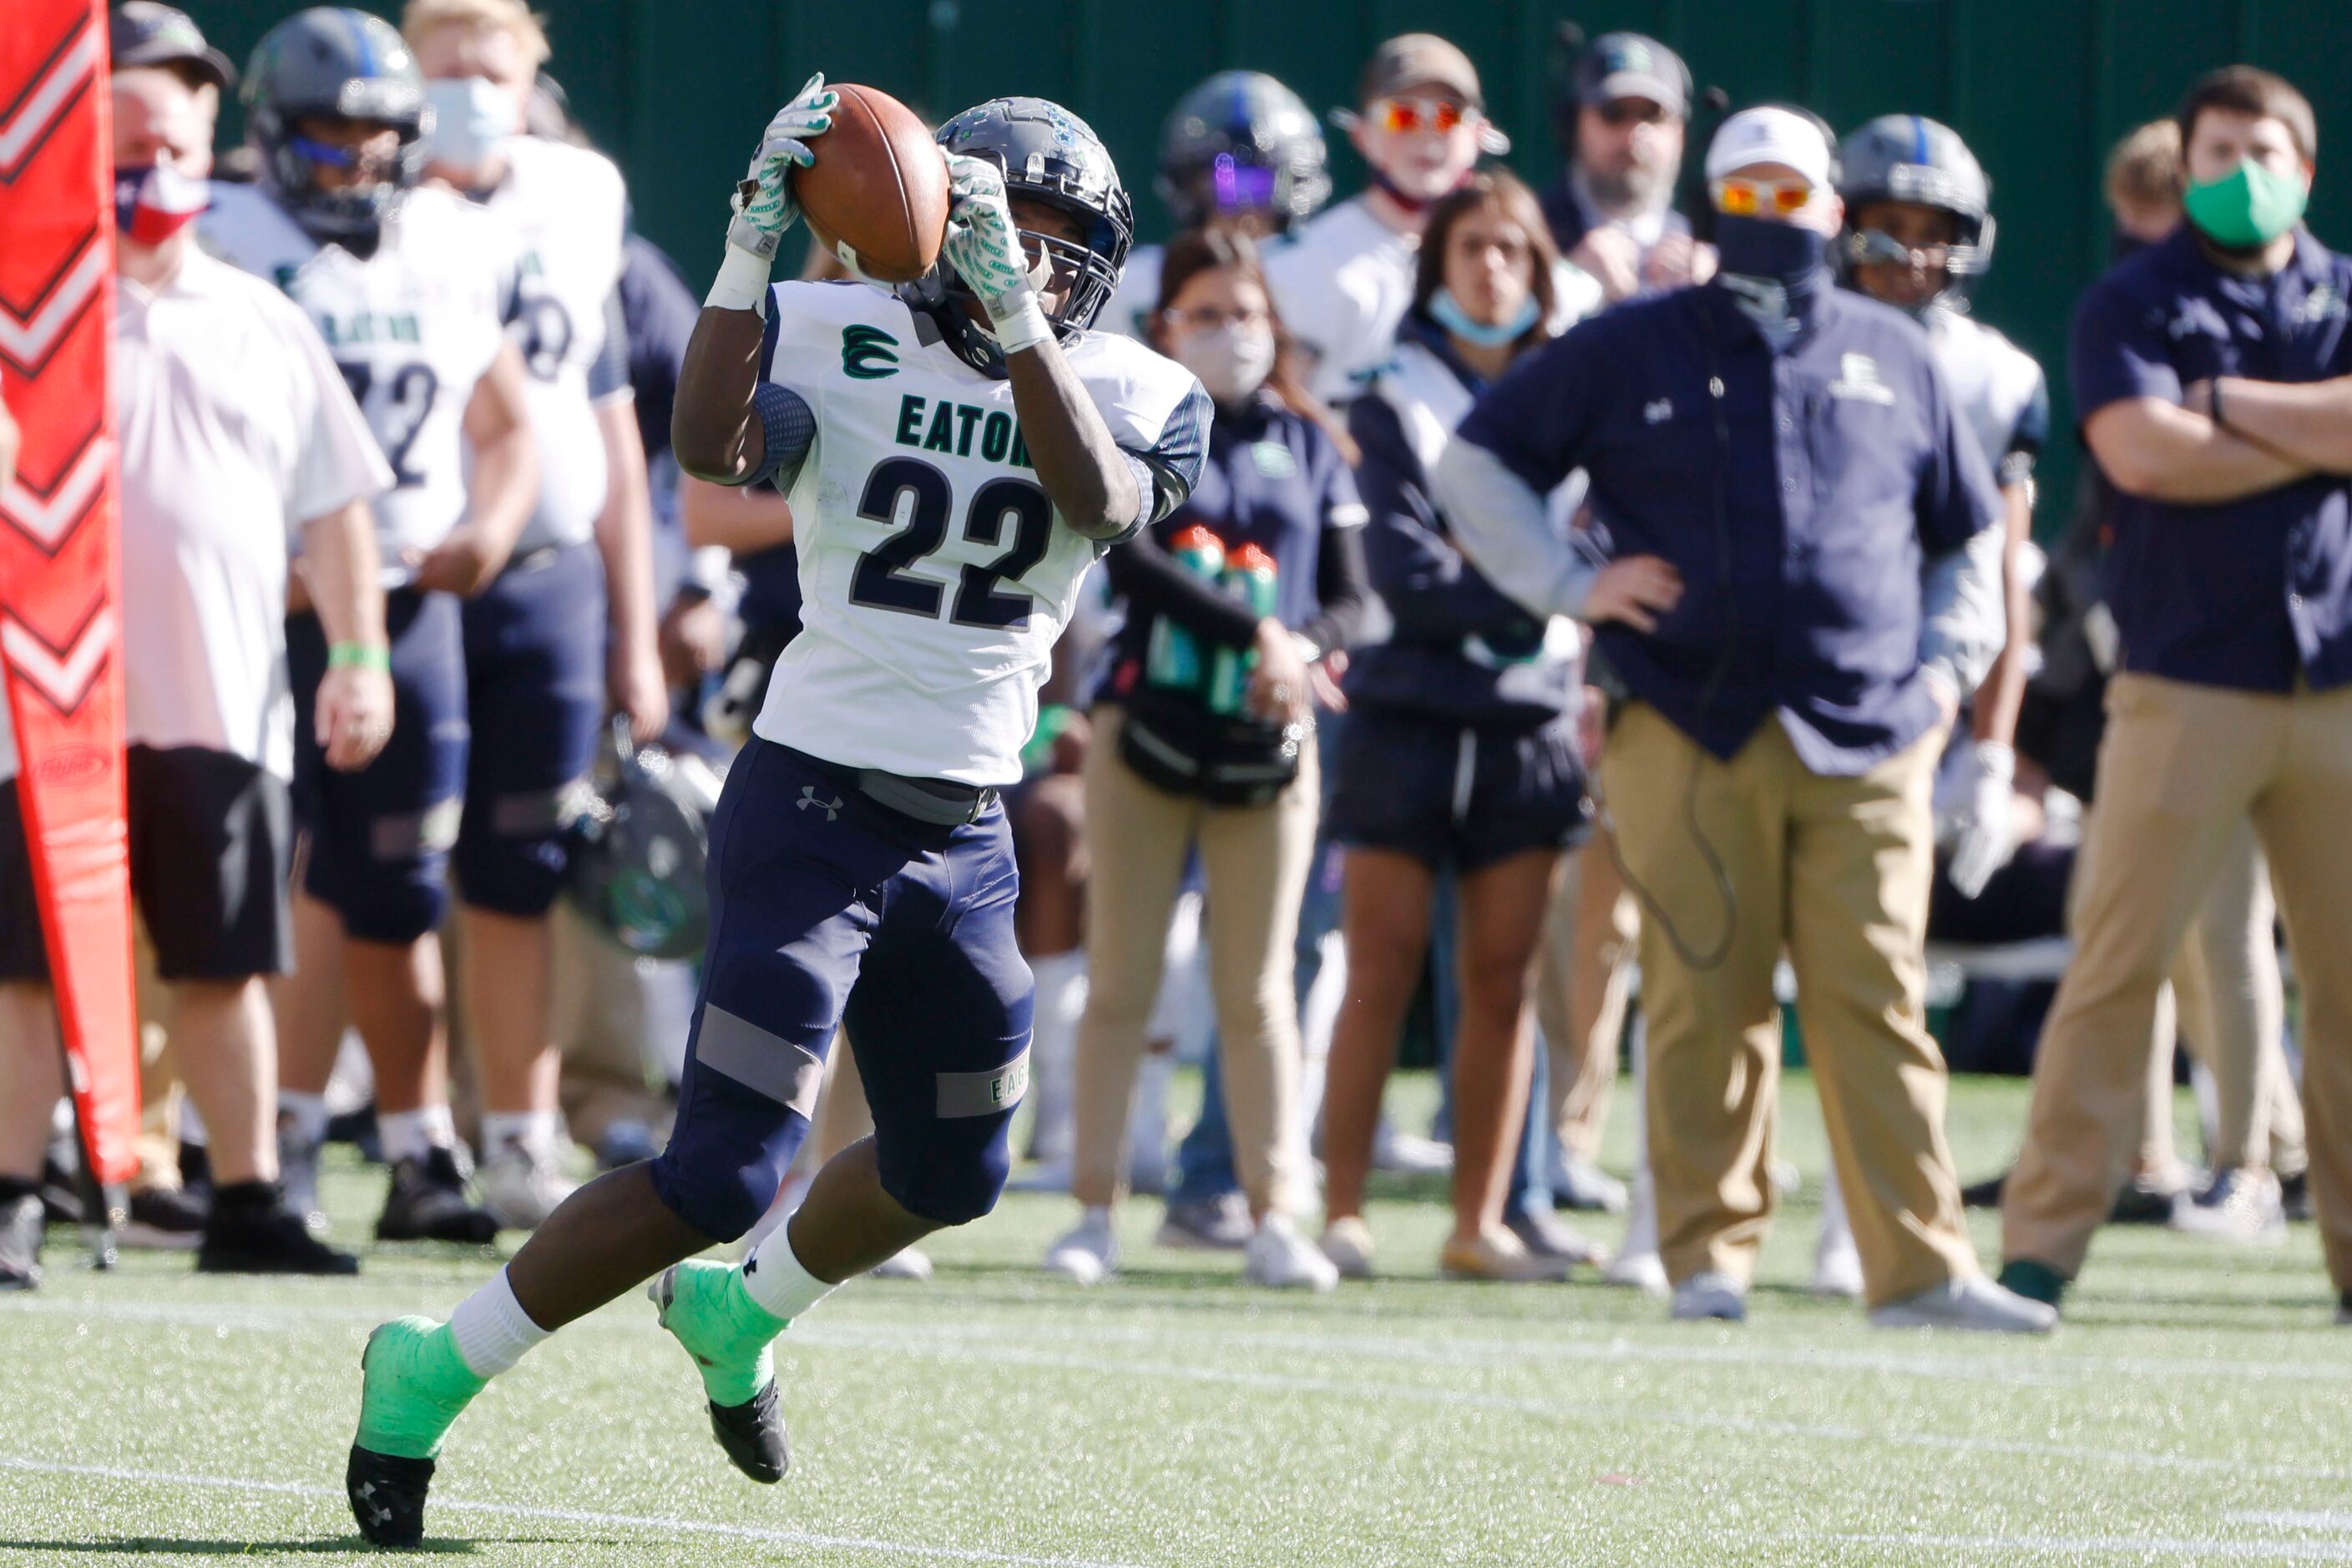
{"type": "Point", "coordinates": [913, 488]}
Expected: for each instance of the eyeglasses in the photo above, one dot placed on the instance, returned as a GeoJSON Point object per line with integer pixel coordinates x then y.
{"type": "Point", "coordinates": [1748, 199]}
{"type": "Point", "coordinates": [1209, 318]}
{"type": "Point", "coordinates": [1633, 111]}
{"type": "Point", "coordinates": [1400, 116]}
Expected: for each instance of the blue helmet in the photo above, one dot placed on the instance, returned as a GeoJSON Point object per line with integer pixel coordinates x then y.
{"type": "Point", "coordinates": [332, 62]}
{"type": "Point", "coordinates": [1242, 140]}
{"type": "Point", "coordinates": [1910, 158]}
{"type": "Point", "coordinates": [1049, 155]}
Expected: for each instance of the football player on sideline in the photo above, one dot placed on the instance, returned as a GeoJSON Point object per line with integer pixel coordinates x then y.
{"type": "Point", "coordinates": [409, 288]}
{"type": "Point", "coordinates": [956, 456]}
{"type": "Point", "coordinates": [537, 666]}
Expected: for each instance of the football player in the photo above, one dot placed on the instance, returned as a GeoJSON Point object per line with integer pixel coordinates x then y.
{"type": "Point", "coordinates": [957, 454]}
{"type": "Point", "coordinates": [537, 668]}
{"type": "Point", "coordinates": [408, 286]}
{"type": "Point", "coordinates": [1918, 234]}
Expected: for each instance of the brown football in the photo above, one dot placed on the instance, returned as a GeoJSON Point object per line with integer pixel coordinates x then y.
{"type": "Point", "coordinates": [878, 193]}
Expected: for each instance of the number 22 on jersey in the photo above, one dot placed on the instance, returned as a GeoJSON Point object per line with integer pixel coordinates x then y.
{"type": "Point", "coordinates": [917, 501]}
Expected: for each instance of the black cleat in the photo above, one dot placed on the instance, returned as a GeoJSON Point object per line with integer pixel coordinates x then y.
{"type": "Point", "coordinates": [252, 1231]}
{"type": "Point", "coordinates": [429, 1202]}
{"type": "Point", "coordinates": [752, 1434]}
{"type": "Point", "coordinates": [2294, 1198]}
{"type": "Point", "coordinates": [387, 1496]}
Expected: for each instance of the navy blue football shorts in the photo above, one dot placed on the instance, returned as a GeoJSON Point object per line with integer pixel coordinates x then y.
{"type": "Point", "coordinates": [1444, 793]}
{"type": "Point", "coordinates": [829, 908]}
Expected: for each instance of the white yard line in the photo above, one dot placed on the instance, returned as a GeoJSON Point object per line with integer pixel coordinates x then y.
{"type": "Point", "coordinates": [2005, 1548]}
{"type": "Point", "coordinates": [655, 1523]}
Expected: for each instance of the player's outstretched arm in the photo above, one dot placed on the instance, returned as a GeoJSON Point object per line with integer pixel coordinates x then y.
{"type": "Point", "coordinates": [714, 432]}
{"type": "Point", "coordinates": [1092, 482]}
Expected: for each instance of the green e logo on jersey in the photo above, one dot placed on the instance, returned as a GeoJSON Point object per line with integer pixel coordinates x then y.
{"type": "Point", "coordinates": [865, 353]}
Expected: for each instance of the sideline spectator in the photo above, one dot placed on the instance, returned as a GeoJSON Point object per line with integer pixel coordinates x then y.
{"type": "Point", "coordinates": [2227, 579]}
{"type": "Point", "coordinates": [204, 353]}
{"type": "Point", "coordinates": [1620, 128]}
{"type": "Point", "coordinates": [1204, 735]}
{"type": "Point", "coordinates": [1459, 752]}
{"type": "Point", "coordinates": [1769, 776]}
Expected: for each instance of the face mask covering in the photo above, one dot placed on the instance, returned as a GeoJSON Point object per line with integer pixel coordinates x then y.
{"type": "Point", "coordinates": [2246, 208]}
{"type": "Point", "coordinates": [472, 119]}
{"type": "Point", "coordinates": [1231, 363]}
{"type": "Point", "coordinates": [1447, 312]}
{"type": "Point", "coordinates": [1772, 270]}
{"type": "Point", "coordinates": [153, 202]}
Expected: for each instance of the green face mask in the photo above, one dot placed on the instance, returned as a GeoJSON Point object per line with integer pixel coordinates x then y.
{"type": "Point", "coordinates": [2249, 206]}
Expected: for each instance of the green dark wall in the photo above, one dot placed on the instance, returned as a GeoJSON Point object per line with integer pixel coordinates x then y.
{"type": "Point", "coordinates": [679, 89]}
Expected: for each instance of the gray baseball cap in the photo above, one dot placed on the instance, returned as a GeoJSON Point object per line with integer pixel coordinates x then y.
{"type": "Point", "coordinates": [147, 33]}
{"type": "Point", "coordinates": [1632, 65]}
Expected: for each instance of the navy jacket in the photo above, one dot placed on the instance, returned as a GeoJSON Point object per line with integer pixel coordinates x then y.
{"type": "Point", "coordinates": [2248, 594]}
{"type": "Point", "coordinates": [1800, 506]}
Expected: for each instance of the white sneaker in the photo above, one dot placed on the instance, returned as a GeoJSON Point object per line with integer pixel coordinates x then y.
{"type": "Point", "coordinates": [1837, 1266]}
{"type": "Point", "coordinates": [2237, 1205]}
{"type": "Point", "coordinates": [1637, 1265]}
{"type": "Point", "coordinates": [1280, 1258]}
{"type": "Point", "coordinates": [1348, 1243]}
{"type": "Point", "coordinates": [1087, 1255]}
{"type": "Point", "coordinates": [1974, 1303]}
{"type": "Point", "coordinates": [1643, 1271]}
{"type": "Point", "coordinates": [1403, 1154]}
{"type": "Point", "coordinates": [520, 1186]}
{"type": "Point", "coordinates": [909, 1264]}
{"type": "Point", "coordinates": [1710, 1296]}
{"type": "Point", "coordinates": [1579, 1183]}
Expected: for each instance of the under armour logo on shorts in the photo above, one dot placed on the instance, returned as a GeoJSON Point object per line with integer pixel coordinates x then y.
{"type": "Point", "coordinates": [831, 808]}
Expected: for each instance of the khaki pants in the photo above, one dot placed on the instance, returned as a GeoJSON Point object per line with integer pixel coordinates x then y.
{"type": "Point", "coordinates": [2232, 1011]}
{"type": "Point", "coordinates": [1835, 871]}
{"type": "Point", "coordinates": [1255, 860]}
{"type": "Point", "coordinates": [2180, 768]}
{"type": "Point", "coordinates": [598, 1015]}
{"type": "Point", "coordinates": [1584, 978]}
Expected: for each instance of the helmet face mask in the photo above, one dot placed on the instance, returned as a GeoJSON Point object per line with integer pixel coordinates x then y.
{"type": "Point", "coordinates": [334, 64]}
{"type": "Point", "coordinates": [1910, 159]}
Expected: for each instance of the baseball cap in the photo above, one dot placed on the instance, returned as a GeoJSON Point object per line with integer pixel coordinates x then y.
{"type": "Point", "coordinates": [146, 33]}
{"type": "Point", "coordinates": [1769, 134]}
{"type": "Point", "coordinates": [1419, 59]}
{"type": "Point", "coordinates": [1629, 65]}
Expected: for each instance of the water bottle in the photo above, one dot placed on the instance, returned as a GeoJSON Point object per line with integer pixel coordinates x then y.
{"type": "Point", "coordinates": [1173, 659]}
{"type": "Point", "coordinates": [1249, 576]}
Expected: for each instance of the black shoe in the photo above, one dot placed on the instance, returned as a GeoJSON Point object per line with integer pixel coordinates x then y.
{"type": "Point", "coordinates": [429, 1202]}
{"type": "Point", "coordinates": [195, 1169]}
{"type": "Point", "coordinates": [252, 1231]}
{"type": "Point", "coordinates": [1984, 1194]}
{"type": "Point", "coordinates": [2034, 1281]}
{"type": "Point", "coordinates": [387, 1496]}
{"type": "Point", "coordinates": [20, 1235]}
{"type": "Point", "coordinates": [2142, 1203]}
{"type": "Point", "coordinates": [163, 1219]}
{"type": "Point", "coordinates": [753, 1432]}
{"type": "Point", "coordinates": [298, 1173]}
{"type": "Point", "coordinates": [2294, 1198]}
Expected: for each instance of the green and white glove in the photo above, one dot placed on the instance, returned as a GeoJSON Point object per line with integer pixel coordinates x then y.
{"type": "Point", "coordinates": [763, 204]}
{"type": "Point", "coordinates": [984, 248]}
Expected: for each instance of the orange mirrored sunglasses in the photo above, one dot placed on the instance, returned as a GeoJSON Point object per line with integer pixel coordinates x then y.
{"type": "Point", "coordinates": [1401, 115]}
{"type": "Point", "coordinates": [1750, 199]}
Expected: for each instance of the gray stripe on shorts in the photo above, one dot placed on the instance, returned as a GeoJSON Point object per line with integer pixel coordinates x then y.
{"type": "Point", "coordinates": [428, 832]}
{"type": "Point", "coordinates": [532, 814]}
{"type": "Point", "coordinates": [983, 1093]}
{"type": "Point", "coordinates": [766, 1064]}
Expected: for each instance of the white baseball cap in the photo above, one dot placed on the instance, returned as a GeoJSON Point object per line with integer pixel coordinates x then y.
{"type": "Point", "coordinates": [1770, 135]}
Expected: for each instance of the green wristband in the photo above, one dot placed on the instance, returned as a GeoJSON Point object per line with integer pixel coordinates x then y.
{"type": "Point", "coordinates": [357, 656]}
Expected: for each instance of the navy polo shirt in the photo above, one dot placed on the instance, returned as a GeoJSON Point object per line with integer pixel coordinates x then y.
{"type": "Point", "coordinates": [1799, 507]}
{"type": "Point", "coordinates": [2246, 593]}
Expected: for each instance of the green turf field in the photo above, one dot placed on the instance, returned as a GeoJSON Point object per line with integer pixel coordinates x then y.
{"type": "Point", "coordinates": [2197, 1407]}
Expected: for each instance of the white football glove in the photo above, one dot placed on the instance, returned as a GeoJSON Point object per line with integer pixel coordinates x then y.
{"type": "Point", "coordinates": [1976, 816]}
{"type": "Point", "coordinates": [984, 248]}
{"type": "Point", "coordinates": [762, 204]}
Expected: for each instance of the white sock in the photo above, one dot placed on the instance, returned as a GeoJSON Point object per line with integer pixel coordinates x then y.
{"type": "Point", "coordinates": [413, 1134]}
{"type": "Point", "coordinates": [504, 1129]}
{"type": "Point", "coordinates": [491, 1328]}
{"type": "Point", "coordinates": [1053, 1049]}
{"type": "Point", "coordinates": [307, 1112]}
{"type": "Point", "coordinates": [772, 1276]}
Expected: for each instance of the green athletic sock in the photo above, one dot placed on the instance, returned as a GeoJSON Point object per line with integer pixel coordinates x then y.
{"type": "Point", "coordinates": [413, 1385]}
{"type": "Point", "coordinates": [722, 1327]}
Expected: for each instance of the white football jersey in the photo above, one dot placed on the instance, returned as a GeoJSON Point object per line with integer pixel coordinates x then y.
{"type": "Point", "coordinates": [934, 576]}
{"type": "Point", "coordinates": [1128, 309]}
{"type": "Point", "coordinates": [1996, 388]}
{"type": "Point", "coordinates": [1341, 284]}
{"type": "Point", "coordinates": [412, 326]}
{"type": "Point", "coordinates": [564, 204]}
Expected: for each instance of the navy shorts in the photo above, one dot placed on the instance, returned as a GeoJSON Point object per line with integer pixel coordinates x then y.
{"type": "Point", "coordinates": [210, 838]}
{"type": "Point", "coordinates": [535, 694]}
{"type": "Point", "coordinates": [827, 908]}
{"type": "Point", "coordinates": [1447, 794]}
{"type": "Point", "coordinates": [380, 838]}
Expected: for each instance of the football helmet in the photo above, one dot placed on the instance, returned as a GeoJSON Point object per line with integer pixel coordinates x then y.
{"type": "Point", "coordinates": [1240, 139]}
{"type": "Point", "coordinates": [1910, 158]}
{"type": "Point", "coordinates": [639, 847]}
{"type": "Point", "coordinates": [332, 62]}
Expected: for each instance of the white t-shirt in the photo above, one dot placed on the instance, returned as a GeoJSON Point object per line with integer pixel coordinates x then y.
{"type": "Point", "coordinates": [563, 205]}
{"type": "Point", "coordinates": [412, 326]}
{"type": "Point", "coordinates": [235, 430]}
{"type": "Point", "coordinates": [1998, 388]}
{"type": "Point", "coordinates": [934, 577]}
